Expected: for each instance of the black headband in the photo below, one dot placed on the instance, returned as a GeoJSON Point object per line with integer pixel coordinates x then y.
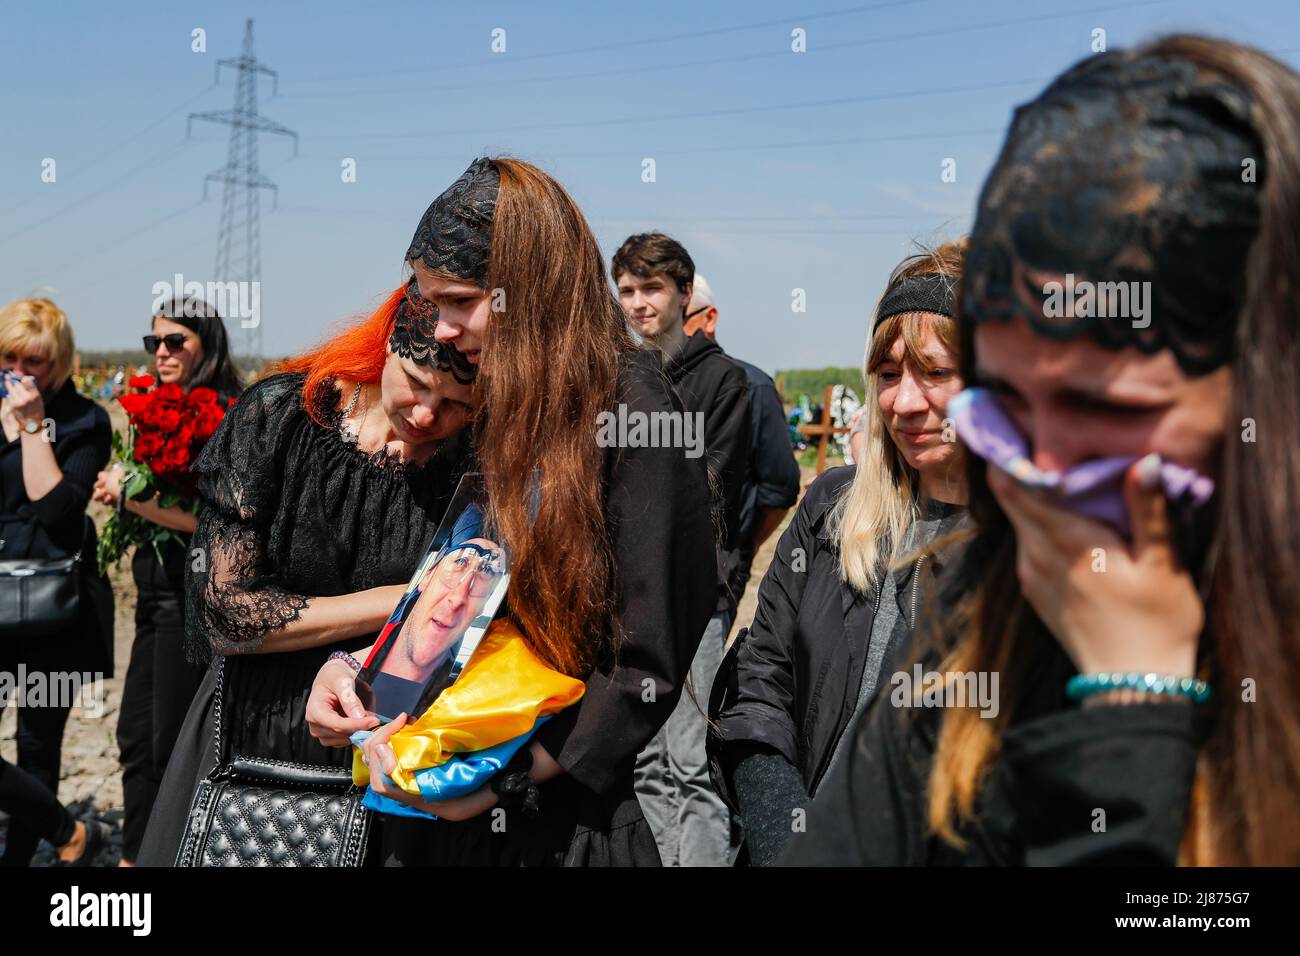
{"type": "Point", "coordinates": [927, 292]}
{"type": "Point", "coordinates": [1127, 173]}
{"type": "Point", "coordinates": [455, 234]}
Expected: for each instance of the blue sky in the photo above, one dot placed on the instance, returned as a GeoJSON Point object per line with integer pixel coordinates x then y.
{"type": "Point", "coordinates": [778, 170]}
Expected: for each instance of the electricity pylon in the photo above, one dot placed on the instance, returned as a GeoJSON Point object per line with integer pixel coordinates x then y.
{"type": "Point", "coordinates": [239, 242]}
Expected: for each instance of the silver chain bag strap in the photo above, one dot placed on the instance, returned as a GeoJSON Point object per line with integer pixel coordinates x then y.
{"type": "Point", "coordinates": [254, 811]}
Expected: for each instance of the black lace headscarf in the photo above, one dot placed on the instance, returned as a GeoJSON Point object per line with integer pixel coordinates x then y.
{"type": "Point", "coordinates": [454, 237]}
{"type": "Point", "coordinates": [1126, 169]}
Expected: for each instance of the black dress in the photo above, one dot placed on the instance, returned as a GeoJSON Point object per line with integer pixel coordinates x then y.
{"type": "Point", "coordinates": [657, 509]}
{"type": "Point", "coordinates": [290, 511]}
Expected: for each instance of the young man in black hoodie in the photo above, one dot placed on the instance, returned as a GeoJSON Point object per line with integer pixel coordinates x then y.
{"type": "Point", "coordinates": [654, 275]}
{"type": "Point", "coordinates": [772, 478]}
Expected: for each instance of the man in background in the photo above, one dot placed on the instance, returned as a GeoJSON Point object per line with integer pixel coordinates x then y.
{"type": "Point", "coordinates": [771, 485]}
{"type": "Point", "coordinates": [654, 276]}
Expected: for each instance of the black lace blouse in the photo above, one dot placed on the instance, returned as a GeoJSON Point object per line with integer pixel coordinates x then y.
{"type": "Point", "coordinates": [292, 511]}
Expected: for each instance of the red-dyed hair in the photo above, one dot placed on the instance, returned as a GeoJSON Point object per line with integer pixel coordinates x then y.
{"type": "Point", "coordinates": [356, 354]}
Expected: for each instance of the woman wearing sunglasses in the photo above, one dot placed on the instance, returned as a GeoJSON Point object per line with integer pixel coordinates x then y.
{"type": "Point", "coordinates": [190, 349]}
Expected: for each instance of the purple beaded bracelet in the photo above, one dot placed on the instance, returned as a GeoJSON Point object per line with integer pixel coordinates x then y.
{"type": "Point", "coordinates": [346, 658]}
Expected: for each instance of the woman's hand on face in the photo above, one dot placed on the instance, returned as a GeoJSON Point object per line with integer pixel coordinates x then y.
{"type": "Point", "coordinates": [334, 712]}
{"type": "Point", "coordinates": [24, 399]}
{"type": "Point", "coordinates": [381, 761]}
{"type": "Point", "coordinates": [1112, 606]}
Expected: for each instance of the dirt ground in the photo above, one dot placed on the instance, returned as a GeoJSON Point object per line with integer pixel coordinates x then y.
{"type": "Point", "coordinates": [91, 780]}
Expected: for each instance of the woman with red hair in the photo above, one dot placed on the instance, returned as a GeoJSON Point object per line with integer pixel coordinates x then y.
{"type": "Point", "coordinates": [321, 490]}
{"type": "Point", "coordinates": [613, 573]}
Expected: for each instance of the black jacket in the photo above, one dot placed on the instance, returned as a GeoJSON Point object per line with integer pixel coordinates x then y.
{"type": "Point", "coordinates": [772, 475]}
{"type": "Point", "coordinates": [1059, 765]}
{"type": "Point", "coordinates": [55, 526]}
{"type": "Point", "coordinates": [790, 683]}
{"type": "Point", "coordinates": [657, 515]}
{"type": "Point", "coordinates": [709, 382]}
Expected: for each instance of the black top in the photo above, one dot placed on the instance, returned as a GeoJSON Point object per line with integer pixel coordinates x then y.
{"type": "Point", "coordinates": [1059, 765]}
{"type": "Point", "coordinates": [789, 684]}
{"type": "Point", "coordinates": [55, 526]}
{"type": "Point", "coordinates": [657, 511]}
{"type": "Point", "coordinates": [708, 381]}
{"type": "Point", "coordinates": [82, 443]}
{"type": "Point", "coordinates": [292, 511]}
{"type": "Point", "coordinates": [771, 475]}
{"type": "Point", "coordinates": [661, 536]}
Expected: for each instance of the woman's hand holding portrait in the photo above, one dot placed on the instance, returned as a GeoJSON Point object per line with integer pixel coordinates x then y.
{"type": "Point", "coordinates": [381, 760]}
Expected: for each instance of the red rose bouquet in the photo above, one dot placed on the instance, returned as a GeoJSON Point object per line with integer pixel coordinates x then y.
{"type": "Point", "coordinates": [168, 428]}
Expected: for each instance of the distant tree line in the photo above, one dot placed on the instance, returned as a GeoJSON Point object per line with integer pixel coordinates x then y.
{"type": "Point", "coordinates": [812, 382]}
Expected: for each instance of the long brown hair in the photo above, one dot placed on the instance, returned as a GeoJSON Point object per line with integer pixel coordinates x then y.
{"type": "Point", "coordinates": [554, 351]}
{"type": "Point", "coordinates": [555, 339]}
{"type": "Point", "coordinates": [1248, 771]}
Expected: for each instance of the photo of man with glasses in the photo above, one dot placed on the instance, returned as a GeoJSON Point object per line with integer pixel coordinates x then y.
{"type": "Point", "coordinates": [415, 657]}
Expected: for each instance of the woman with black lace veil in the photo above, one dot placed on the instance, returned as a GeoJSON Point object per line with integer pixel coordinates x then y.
{"type": "Point", "coordinates": [321, 491]}
{"type": "Point", "coordinates": [611, 548]}
{"type": "Point", "coordinates": [1144, 640]}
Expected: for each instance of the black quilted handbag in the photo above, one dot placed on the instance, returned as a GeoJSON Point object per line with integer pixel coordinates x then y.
{"type": "Point", "coordinates": [253, 811]}
{"type": "Point", "coordinates": [40, 594]}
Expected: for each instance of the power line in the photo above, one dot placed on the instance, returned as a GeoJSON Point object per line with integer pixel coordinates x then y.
{"type": "Point", "coordinates": [241, 177]}
{"type": "Point", "coordinates": [783, 217]}
{"type": "Point", "coordinates": [696, 114]}
{"type": "Point", "coordinates": [100, 157]}
{"type": "Point", "coordinates": [90, 197]}
{"type": "Point", "coordinates": [739, 58]}
{"type": "Point", "coordinates": [170, 256]}
{"type": "Point", "coordinates": [547, 155]}
{"type": "Point", "coordinates": [624, 44]}
{"type": "Point", "coordinates": [809, 217]}
{"type": "Point", "coordinates": [153, 224]}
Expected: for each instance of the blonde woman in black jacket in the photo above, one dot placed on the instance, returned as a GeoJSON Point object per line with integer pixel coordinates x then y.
{"type": "Point", "coordinates": [837, 604]}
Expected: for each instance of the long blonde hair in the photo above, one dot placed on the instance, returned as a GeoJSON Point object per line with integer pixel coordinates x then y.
{"type": "Point", "coordinates": [874, 515]}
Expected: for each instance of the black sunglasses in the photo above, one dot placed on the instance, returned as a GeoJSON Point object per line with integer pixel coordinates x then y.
{"type": "Point", "coordinates": [175, 342]}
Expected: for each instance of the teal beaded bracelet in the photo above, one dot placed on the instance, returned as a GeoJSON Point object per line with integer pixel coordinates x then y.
{"type": "Point", "coordinates": [1085, 685]}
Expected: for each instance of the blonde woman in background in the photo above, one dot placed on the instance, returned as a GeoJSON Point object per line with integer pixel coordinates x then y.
{"type": "Point", "coordinates": [55, 442]}
{"type": "Point", "coordinates": [835, 606]}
